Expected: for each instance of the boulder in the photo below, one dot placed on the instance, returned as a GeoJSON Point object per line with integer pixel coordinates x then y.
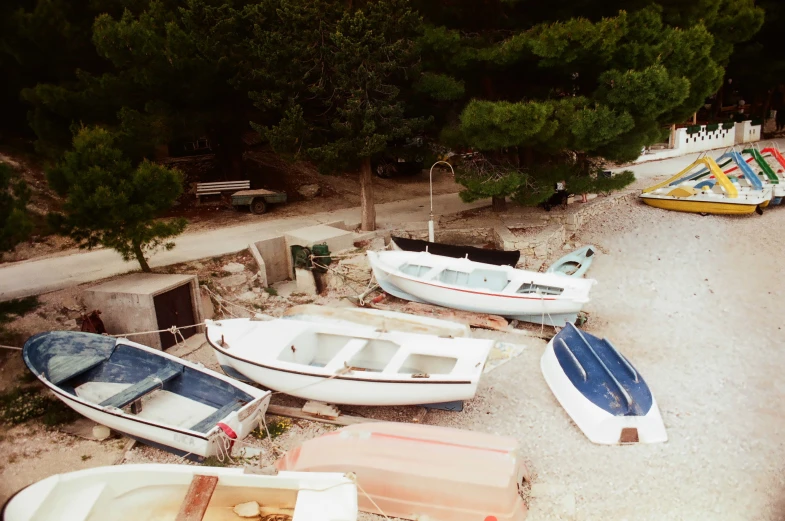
{"type": "Point", "coordinates": [309, 191]}
{"type": "Point", "coordinates": [234, 267]}
{"type": "Point", "coordinates": [232, 281]}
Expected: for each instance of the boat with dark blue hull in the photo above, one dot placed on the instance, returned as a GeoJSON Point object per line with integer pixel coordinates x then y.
{"type": "Point", "coordinates": [600, 389]}
{"type": "Point", "coordinates": [144, 393]}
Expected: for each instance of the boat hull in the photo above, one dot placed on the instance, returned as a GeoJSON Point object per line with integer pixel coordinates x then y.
{"type": "Point", "coordinates": [349, 391]}
{"type": "Point", "coordinates": [574, 264]}
{"type": "Point", "coordinates": [597, 424]}
{"type": "Point", "coordinates": [156, 491]}
{"type": "Point", "coordinates": [721, 208]}
{"type": "Point", "coordinates": [326, 362]}
{"type": "Point", "coordinates": [545, 310]}
{"type": "Point", "coordinates": [422, 472]}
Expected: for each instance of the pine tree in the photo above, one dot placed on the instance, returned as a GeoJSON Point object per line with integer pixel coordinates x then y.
{"type": "Point", "coordinates": [15, 222]}
{"type": "Point", "coordinates": [552, 91]}
{"type": "Point", "coordinates": [333, 74]}
{"type": "Point", "coordinates": [113, 202]}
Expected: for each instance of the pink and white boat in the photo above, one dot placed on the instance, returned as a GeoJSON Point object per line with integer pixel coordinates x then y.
{"type": "Point", "coordinates": [422, 471]}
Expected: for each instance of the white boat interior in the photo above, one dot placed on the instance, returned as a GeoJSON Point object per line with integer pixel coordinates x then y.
{"type": "Point", "coordinates": [463, 273]}
{"type": "Point", "coordinates": [157, 493]}
{"type": "Point", "coordinates": [327, 349]}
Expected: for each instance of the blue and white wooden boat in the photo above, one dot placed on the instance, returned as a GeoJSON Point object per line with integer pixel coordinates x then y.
{"type": "Point", "coordinates": [574, 264]}
{"type": "Point", "coordinates": [600, 390]}
{"type": "Point", "coordinates": [146, 394]}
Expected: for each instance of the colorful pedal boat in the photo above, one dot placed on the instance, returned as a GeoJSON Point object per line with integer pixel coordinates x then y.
{"type": "Point", "coordinates": [685, 193]}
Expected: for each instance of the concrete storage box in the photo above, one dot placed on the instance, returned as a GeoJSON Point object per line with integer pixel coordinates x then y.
{"type": "Point", "coordinates": [148, 302]}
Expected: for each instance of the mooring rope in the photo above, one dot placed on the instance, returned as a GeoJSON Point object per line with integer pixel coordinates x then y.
{"type": "Point", "coordinates": [11, 347]}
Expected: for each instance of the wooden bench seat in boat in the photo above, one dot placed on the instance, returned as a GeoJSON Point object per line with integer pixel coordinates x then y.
{"type": "Point", "coordinates": [346, 353]}
{"type": "Point", "coordinates": [208, 423]}
{"type": "Point", "coordinates": [136, 391]}
{"type": "Point", "coordinates": [63, 368]}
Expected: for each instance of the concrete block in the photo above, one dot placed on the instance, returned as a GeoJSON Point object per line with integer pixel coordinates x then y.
{"type": "Point", "coordinates": [274, 254]}
{"type": "Point", "coordinates": [257, 256]}
{"type": "Point", "coordinates": [335, 238]}
{"type": "Point", "coordinates": [306, 283]}
{"type": "Point", "coordinates": [127, 304]}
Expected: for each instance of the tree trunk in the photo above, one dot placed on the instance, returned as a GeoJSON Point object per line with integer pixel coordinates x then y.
{"type": "Point", "coordinates": [229, 156]}
{"type": "Point", "coordinates": [367, 208]}
{"type": "Point", "coordinates": [140, 257]}
{"type": "Point", "coordinates": [499, 204]}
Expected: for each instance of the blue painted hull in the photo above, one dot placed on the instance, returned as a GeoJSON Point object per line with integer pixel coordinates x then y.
{"type": "Point", "coordinates": [601, 373]}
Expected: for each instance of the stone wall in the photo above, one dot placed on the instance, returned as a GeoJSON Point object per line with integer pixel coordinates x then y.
{"type": "Point", "coordinates": [542, 239]}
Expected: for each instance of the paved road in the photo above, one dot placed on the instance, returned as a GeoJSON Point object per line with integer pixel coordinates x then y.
{"type": "Point", "coordinates": [33, 277]}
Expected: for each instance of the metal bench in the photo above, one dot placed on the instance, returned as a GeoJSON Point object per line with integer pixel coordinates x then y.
{"type": "Point", "coordinates": [208, 423]}
{"type": "Point", "coordinates": [220, 187]}
{"type": "Point", "coordinates": [136, 391]}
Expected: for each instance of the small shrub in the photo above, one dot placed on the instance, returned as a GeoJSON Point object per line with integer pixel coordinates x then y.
{"type": "Point", "coordinates": [20, 405]}
{"type": "Point", "coordinates": [276, 428]}
{"type": "Point", "coordinates": [86, 457]}
{"type": "Point", "coordinates": [58, 413]}
{"type": "Point", "coordinates": [271, 291]}
{"type": "Point", "coordinates": [213, 461]}
{"type": "Point", "coordinates": [18, 307]}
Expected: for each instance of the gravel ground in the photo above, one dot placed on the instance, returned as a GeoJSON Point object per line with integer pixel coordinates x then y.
{"type": "Point", "coordinates": [687, 299]}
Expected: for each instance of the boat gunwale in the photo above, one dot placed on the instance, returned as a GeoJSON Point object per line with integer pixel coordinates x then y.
{"type": "Point", "coordinates": [334, 376]}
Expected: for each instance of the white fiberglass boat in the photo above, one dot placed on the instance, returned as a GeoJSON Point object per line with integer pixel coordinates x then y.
{"type": "Point", "coordinates": [542, 298]}
{"type": "Point", "coordinates": [348, 364]}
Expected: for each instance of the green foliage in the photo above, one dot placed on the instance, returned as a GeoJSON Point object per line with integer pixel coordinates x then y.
{"type": "Point", "coordinates": [334, 75]}
{"type": "Point", "coordinates": [276, 427]}
{"type": "Point", "coordinates": [18, 307]}
{"type": "Point", "coordinates": [22, 404]}
{"type": "Point", "coordinates": [15, 222]}
{"type": "Point", "coordinates": [554, 90]}
{"type": "Point", "coordinates": [440, 86]}
{"type": "Point", "coordinates": [57, 413]}
{"type": "Point", "coordinates": [111, 202]}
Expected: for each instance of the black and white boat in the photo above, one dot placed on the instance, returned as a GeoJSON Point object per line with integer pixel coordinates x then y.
{"type": "Point", "coordinates": [144, 393]}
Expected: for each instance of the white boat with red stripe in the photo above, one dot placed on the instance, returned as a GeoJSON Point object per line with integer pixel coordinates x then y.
{"type": "Point", "coordinates": [541, 298]}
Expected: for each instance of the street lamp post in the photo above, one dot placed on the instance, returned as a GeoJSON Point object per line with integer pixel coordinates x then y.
{"type": "Point", "coordinates": [430, 180]}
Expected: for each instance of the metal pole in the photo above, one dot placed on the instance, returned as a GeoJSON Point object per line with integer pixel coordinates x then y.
{"type": "Point", "coordinates": [430, 181]}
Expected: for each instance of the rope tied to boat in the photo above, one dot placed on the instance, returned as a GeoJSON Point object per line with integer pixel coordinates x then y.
{"type": "Point", "coordinates": [11, 347]}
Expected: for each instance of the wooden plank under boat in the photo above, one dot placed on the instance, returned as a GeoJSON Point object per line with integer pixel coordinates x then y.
{"type": "Point", "coordinates": [422, 471]}
{"type": "Point", "coordinates": [484, 255]}
{"type": "Point", "coordinates": [601, 391]}
{"type": "Point", "coordinates": [541, 298]}
{"type": "Point", "coordinates": [574, 264]}
{"type": "Point", "coordinates": [182, 493]}
{"type": "Point", "coordinates": [146, 394]}
{"type": "Point", "coordinates": [349, 364]}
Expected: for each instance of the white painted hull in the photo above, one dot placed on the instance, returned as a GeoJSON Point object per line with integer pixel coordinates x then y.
{"type": "Point", "coordinates": [597, 424]}
{"type": "Point", "coordinates": [253, 349]}
{"type": "Point", "coordinates": [155, 492]}
{"type": "Point", "coordinates": [550, 310]}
